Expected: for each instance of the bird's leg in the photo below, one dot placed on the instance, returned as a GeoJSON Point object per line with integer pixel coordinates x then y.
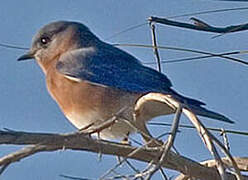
{"type": "Point", "coordinates": [85, 127]}
{"type": "Point", "coordinates": [104, 125]}
{"type": "Point", "coordinates": [101, 127]}
{"type": "Point", "coordinates": [92, 128]}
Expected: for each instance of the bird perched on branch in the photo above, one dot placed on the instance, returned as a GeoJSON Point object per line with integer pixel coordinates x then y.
{"type": "Point", "coordinates": [93, 81]}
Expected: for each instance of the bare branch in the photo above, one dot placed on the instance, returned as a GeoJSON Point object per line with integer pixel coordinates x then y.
{"type": "Point", "coordinates": [205, 134]}
{"type": "Point", "coordinates": [202, 26]}
{"type": "Point", "coordinates": [242, 163]}
{"type": "Point", "coordinates": [77, 141]}
{"type": "Point", "coordinates": [207, 137]}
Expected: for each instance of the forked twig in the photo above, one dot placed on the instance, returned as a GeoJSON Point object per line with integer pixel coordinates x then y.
{"type": "Point", "coordinates": [229, 156]}
{"type": "Point", "coordinates": [207, 140]}
{"type": "Point", "coordinates": [241, 162]}
{"type": "Point", "coordinates": [207, 28]}
{"type": "Point", "coordinates": [207, 137]}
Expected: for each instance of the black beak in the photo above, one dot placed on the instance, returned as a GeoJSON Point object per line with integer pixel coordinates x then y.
{"type": "Point", "coordinates": [28, 55]}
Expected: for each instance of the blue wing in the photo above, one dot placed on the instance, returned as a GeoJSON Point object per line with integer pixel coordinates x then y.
{"type": "Point", "coordinates": [110, 66]}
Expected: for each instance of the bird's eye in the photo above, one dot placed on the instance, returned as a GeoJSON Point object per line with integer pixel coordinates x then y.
{"type": "Point", "coordinates": [45, 40]}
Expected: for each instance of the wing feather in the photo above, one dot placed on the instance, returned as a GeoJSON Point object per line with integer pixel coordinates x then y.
{"type": "Point", "coordinates": [114, 68]}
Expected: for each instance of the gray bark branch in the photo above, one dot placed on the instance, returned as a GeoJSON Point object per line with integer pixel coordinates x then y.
{"type": "Point", "coordinates": [43, 142]}
{"type": "Point", "coordinates": [200, 25]}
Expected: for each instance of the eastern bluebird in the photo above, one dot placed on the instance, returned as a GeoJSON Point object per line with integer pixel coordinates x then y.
{"type": "Point", "coordinates": [92, 80]}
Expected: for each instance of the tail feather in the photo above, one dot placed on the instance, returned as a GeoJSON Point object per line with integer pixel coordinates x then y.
{"type": "Point", "coordinates": [196, 107]}
{"type": "Point", "coordinates": [198, 110]}
{"type": "Point", "coordinates": [157, 104]}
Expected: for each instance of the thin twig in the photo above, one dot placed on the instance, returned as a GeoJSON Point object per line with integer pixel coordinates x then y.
{"type": "Point", "coordinates": [186, 50]}
{"type": "Point", "coordinates": [208, 128]}
{"type": "Point", "coordinates": [207, 135]}
{"type": "Point", "coordinates": [132, 166]}
{"type": "Point", "coordinates": [3, 168]}
{"type": "Point", "coordinates": [207, 139]}
{"type": "Point", "coordinates": [136, 151]}
{"type": "Point", "coordinates": [225, 139]}
{"type": "Point", "coordinates": [126, 30]}
{"type": "Point", "coordinates": [119, 163]}
{"type": "Point", "coordinates": [12, 46]}
{"type": "Point", "coordinates": [125, 158]}
{"type": "Point", "coordinates": [163, 174]}
{"type": "Point", "coordinates": [73, 177]}
{"type": "Point", "coordinates": [204, 134]}
{"type": "Point", "coordinates": [155, 48]}
{"type": "Point", "coordinates": [167, 145]}
{"type": "Point", "coordinates": [192, 58]}
{"type": "Point", "coordinates": [209, 11]}
{"type": "Point", "coordinates": [227, 153]}
{"type": "Point", "coordinates": [145, 171]}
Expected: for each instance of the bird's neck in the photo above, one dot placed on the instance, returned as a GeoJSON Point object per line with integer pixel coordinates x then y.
{"type": "Point", "coordinates": [47, 64]}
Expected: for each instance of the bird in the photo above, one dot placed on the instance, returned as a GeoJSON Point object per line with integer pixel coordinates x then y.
{"type": "Point", "coordinates": [92, 81]}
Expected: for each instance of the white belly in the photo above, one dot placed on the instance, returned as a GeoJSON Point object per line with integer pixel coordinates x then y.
{"type": "Point", "coordinates": [116, 131]}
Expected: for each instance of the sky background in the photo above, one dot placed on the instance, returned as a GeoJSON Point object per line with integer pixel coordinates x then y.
{"type": "Point", "coordinates": [26, 105]}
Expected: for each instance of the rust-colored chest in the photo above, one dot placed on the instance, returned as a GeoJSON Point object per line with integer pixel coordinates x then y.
{"type": "Point", "coordinates": [85, 99]}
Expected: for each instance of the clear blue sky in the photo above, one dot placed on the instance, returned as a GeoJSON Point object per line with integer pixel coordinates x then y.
{"type": "Point", "coordinates": [26, 105]}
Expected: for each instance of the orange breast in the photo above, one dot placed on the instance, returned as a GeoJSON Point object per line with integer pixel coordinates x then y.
{"type": "Point", "coordinates": [83, 102]}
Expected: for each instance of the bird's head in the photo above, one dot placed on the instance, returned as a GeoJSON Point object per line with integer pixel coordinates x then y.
{"type": "Point", "coordinates": [57, 38]}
